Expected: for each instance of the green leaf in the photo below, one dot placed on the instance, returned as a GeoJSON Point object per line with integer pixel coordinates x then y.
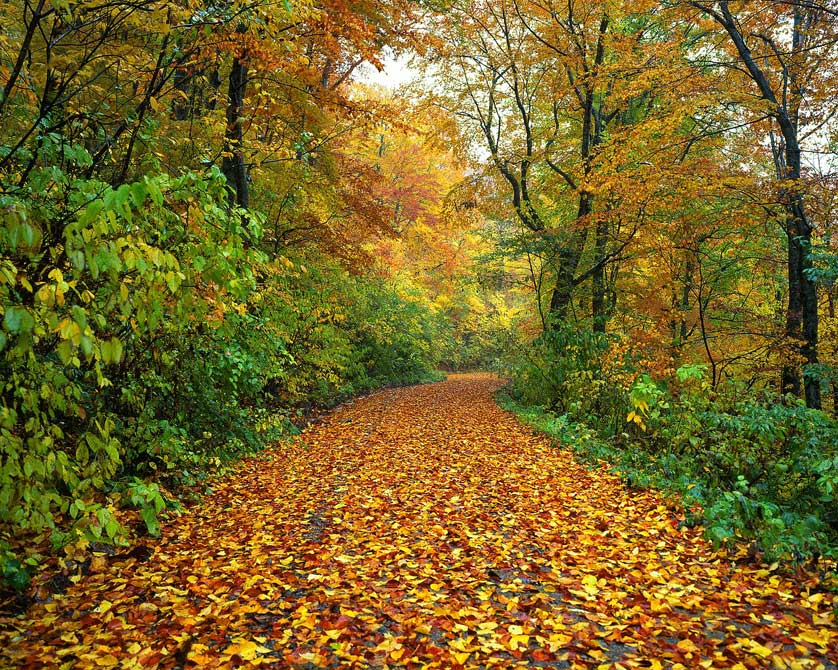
{"type": "Point", "coordinates": [149, 516]}
{"type": "Point", "coordinates": [18, 320]}
{"type": "Point", "coordinates": [65, 351]}
{"type": "Point", "coordinates": [113, 529]}
{"type": "Point", "coordinates": [82, 453]}
{"type": "Point", "coordinates": [138, 193]}
{"type": "Point", "coordinates": [15, 575]}
{"type": "Point", "coordinates": [86, 345]}
{"type": "Point", "coordinates": [155, 193]}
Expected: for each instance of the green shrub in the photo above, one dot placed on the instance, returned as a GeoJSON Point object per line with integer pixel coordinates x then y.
{"type": "Point", "coordinates": [144, 334]}
{"type": "Point", "coordinates": [563, 371]}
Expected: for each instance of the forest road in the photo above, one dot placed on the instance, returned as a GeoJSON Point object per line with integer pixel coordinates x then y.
{"type": "Point", "coordinates": [424, 527]}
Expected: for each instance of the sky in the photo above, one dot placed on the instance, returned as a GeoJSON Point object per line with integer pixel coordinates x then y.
{"type": "Point", "coordinates": [397, 71]}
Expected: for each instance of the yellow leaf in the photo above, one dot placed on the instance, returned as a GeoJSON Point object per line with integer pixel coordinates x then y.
{"type": "Point", "coordinates": [247, 650]}
{"type": "Point", "coordinates": [388, 644]}
{"type": "Point", "coordinates": [559, 641]}
{"type": "Point", "coordinates": [687, 645]}
{"type": "Point", "coordinates": [107, 661]}
{"type": "Point", "coordinates": [461, 657]}
{"type": "Point", "coordinates": [589, 584]}
{"type": "Point", "coordinates": [460, 643]}
{"type": "Point", "coordinates": [820, 638]}
{"type": "Point", "coordinates": [516, 641]}
{"type": "Point", "coordinates": [756, 648]}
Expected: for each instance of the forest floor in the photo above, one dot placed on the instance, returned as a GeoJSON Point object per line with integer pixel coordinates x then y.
{"type": "Point", "coordinates": [425, 528]}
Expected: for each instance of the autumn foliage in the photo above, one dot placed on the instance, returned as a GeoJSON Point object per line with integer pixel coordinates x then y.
{"type": "Point", "coordinates": [214, 226]}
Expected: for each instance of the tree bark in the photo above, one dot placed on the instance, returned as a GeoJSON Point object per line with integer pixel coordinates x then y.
{"type": "Point", "coordinates": [831, 312]}
{"type": "Point", "coordinates": [599, 311]}
{"type": "Point", "coordinates": [569, 256]}
{"type": "Point", "coordinates": [233, 165]}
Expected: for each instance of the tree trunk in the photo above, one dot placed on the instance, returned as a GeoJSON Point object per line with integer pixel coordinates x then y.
{"type": "Point", "coordinates": [569, 256]}
{"type": "Point", "coordinates": [791, 373]}
{"type": "Point", "coordinates": [591, 138]}
{"type": "Point", "coordinates": [802, 312]}
{"type": "Point", "coordinates": [831, 312]}
{"type": "Point", "coordinates": [232, 164]}
{"type": "Point", "coordinates": [599, 312]}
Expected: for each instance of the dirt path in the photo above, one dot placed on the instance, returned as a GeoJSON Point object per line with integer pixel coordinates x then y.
{"type": "Point", "coordinates": [426, 528]}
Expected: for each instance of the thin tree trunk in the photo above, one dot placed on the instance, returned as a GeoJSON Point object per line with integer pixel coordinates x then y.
{"type": "Point", "coordinates": [232, 164]}
{"type": "Point", "coordinates": [802, 307]}
{"type": "Point", "coordinates": [599, 313]}
{"type": "Point", "coordinates": [791, 372]}
{"type": "Point", "coordinates": [591, 138]}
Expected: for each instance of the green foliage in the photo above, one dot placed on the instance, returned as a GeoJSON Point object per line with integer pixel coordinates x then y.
{"type": "Point", "coordinates": [395, 337]}
{"type": "Point", "coordinates": [563, 371]}
{"type": "Point", "coordinates": [13, 573]}
{"type": "Point", "coordinates": [477, 342]}
{"type": "Point", "coordinates": [147, 498]}
{"type": "Point", "coordinates": [144, 334]}
{"type": "Point", "coordinates": [92, 323]}
{"type": "Point", "coordinates": [333, 334]}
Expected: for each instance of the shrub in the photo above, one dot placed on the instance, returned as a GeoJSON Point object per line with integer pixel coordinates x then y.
{"type": "Point", "coordinates": [565, 370]}
{"type": "Point", "coordinates": [144, 334]}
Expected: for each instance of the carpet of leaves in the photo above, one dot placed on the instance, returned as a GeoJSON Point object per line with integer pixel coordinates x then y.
{"type": "Point", "coordinates": [425, 528]}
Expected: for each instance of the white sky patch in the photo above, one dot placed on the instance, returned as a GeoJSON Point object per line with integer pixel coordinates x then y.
{"type": "Point", "coordinates": [396, 72]}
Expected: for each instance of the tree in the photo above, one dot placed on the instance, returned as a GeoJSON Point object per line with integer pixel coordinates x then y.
{"type": "Point", "coordinates": [782, 51]}
{"type": "Point", "coordinates": [549, 86]}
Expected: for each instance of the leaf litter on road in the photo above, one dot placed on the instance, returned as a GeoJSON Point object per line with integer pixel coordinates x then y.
{"type": "Point", "coordinates": [426, 528]}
